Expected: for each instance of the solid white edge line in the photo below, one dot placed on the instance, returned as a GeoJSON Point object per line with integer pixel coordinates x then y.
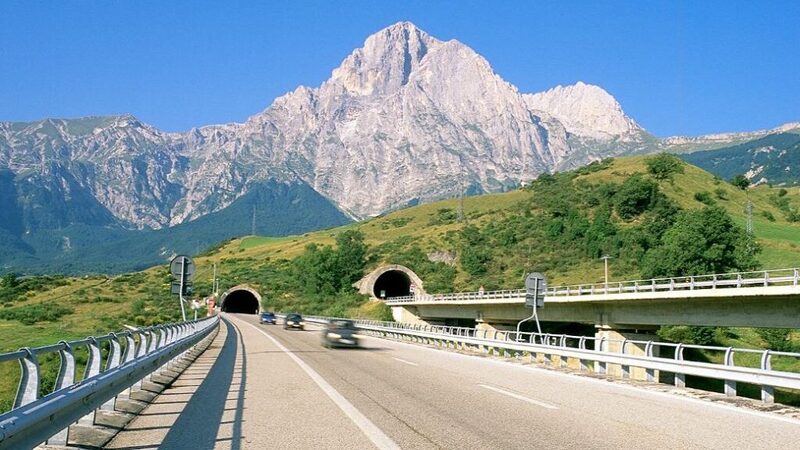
{"type": "Point", "coordinates": [518, 397]}
{"type": "Point", "coordinates": [375, 434]}
{"type": "Point", "coordinates": [405, 362]}
{"type": "Point", "coordinates": [585, 379]}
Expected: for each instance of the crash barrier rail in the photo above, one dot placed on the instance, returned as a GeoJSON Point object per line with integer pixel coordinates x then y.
{"type": "Point", "coordinates": [601, 351]}
{"type": "Point", "coordinates": [132, 356]}
{"type": "Point", "coordinates": [764, 278]}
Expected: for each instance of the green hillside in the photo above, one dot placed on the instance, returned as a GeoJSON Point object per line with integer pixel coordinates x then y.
{"type": "Point", "coordinates": [558, 225]}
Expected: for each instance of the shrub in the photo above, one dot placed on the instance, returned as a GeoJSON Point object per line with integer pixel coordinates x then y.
{"type": "Point", "coordinates": [776, 338]}
{"type": "Point", "coordinates": [768, 215]}
{"type": "Point", "coordinates": [720, 193]}
{"type": "Point", "coordinates": [635, 196]}
{"type": "Point", "coordinates": [664, 166]}
{"type": "Point", "coordinates": [704, 197]}
{"type": "Point", "coordinates": [30, 314]}
{"type": "Point", "coordinates": [740, 181]}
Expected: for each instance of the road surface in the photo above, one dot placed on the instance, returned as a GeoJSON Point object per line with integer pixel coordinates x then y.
{"type": "Point", "coordinates": [263, 387]}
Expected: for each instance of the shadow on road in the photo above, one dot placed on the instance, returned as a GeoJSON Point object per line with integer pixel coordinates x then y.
{"type": "Point", "coordinates": [202, 416]}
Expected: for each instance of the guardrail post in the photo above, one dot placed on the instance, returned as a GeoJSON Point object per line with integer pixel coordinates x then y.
{"type": "Point", "coordinates": [796, 277]}
{"type": "Point", "coordinates": [650, 374]}
{"type": "Point", "coordinates": [563, 343]}
{"type": "Point", "coordinates": [582, 346]}
{"type": "Point", "coordinates": [600, 366]}
{"type": "Point", "coordinates": [766, 278]}
{"type": "Point", "coordinates": [671, 284]}
{"type": "Point", "coordinates": [28, 388]}
{"type": "Point", "coordinates": [92, 369]}
{"type": "Point", "coordinates": [730, 385]}
{"type": "Point", "coordinates": [66, 377]}
{"type": "Point", "coordinates": [680, 378]}
{"type": "Point", "coordinates": [738, 280]}
{"type": "Point", "coordinates": [114, 356]}
{"type": "Point", "coordinates": [767, 392]}
{"type": "Point", "coordinates": [626, 369]}
{"type": "Point", "coordinates": [714, 282]}
{"type": "Point", "coordinates": [691, 283]}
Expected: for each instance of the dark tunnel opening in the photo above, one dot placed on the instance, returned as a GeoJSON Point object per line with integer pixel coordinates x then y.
{"type": "Point", "coordinates": [241, 301]}
{"type": "Point", "coordinates": [393, 283]}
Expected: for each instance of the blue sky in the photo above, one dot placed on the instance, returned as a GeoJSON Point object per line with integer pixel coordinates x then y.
{"type": "Point", "coordinates": [677, 67]}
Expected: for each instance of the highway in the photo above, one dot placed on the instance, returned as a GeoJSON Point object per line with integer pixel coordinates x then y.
{"type": "Point", "coordinates": [263, 387]}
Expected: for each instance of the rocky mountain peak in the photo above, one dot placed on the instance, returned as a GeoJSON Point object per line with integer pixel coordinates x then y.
{"type": "Point", "coordinates": [385, 62]}
{"type": "Point", "coordinates": [585, 110]}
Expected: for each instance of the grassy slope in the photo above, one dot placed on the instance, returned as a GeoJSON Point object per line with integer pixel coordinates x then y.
{"type": "Point", "coordinates": [95, 313]}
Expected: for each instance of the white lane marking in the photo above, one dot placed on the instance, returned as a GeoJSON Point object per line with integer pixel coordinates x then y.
{"type": "Point", "coordinates": [378, 437]}
{"type": "Point", "coordinates": [584, 379]}
{"type": "Point", "coordinates": [519, 397]}
{"type": "Point", "coordinates": [405, 362]}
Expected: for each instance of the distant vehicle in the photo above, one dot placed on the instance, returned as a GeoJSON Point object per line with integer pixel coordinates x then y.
{"type": "Point", "coordinates": [267, 317]}
{"type": "Point", "coordinates": [339, 333]}
{"type": "Point", "coordinates": [293, 321]}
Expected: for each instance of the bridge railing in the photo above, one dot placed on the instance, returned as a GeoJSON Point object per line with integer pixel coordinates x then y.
{"type": "Point", "coordinates": [764, 368]}
{"type": "Point", "coordinates": [130, 358]}
{"type": "Point", "coordinates": [763, 278]}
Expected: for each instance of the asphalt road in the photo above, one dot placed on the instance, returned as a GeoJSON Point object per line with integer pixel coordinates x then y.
{"type": "Point", "coordinates": [264, 387]}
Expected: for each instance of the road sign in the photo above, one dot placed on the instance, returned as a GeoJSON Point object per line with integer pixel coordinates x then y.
{"type": "Point", "coordinates": [535, 289]}
{"type": "Point", "coordinates": [175, 288]}
{"type": "Point", "coordinates": [181, 265]}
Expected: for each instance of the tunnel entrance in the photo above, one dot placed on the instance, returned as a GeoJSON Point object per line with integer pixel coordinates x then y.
{"type": "Point", "coordinates": [240, 301]}
{"type": "Point", "coordinates": [392, 283]}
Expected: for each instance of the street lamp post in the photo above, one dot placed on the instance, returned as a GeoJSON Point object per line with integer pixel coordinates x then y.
{"type": "Point", "coordinates": [605, 259]}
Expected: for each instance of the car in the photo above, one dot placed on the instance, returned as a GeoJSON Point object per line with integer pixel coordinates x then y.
{"type": "Point", "coordinates": [339, 333]}
{"type": "Point", "coordinates": [267, 317]}
{"type": "Point", "coordinates": [293, 321]}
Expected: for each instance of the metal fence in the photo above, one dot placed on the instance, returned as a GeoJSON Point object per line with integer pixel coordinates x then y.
{"type": "Point", "coordinates": [764, 278]}
{"type": "Point", "coordinates": [130, 358]}
{"type": "Point", "coordinates": [595, 354]}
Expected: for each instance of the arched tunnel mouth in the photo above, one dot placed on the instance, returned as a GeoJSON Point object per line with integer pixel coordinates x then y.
{"type": "Point", "coordinates": [240, 301]}
{"type": "Point", "coordinates": [393, 283]}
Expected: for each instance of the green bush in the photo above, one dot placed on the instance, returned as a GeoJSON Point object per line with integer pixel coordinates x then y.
{"type": "Point", "coordinates": [664, 166]}
{"type": "Point", "coordinates": [740, 181]}
{"type": "Point", "coordinates": [704, 197]}
{"type": "Point", "coordinates": [41, 312]}
{"type": "Point", "coordinates": [776, 338]}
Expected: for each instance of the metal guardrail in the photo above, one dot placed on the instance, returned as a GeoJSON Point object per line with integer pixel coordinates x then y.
{"type": "Point", "coordinates": [131, 357]}
{"type": "Point", "coordinates": [589, 349]}
{"type": "Point", "coordinates": [764, 278]}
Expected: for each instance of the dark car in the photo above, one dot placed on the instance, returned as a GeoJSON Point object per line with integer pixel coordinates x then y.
{"type": "Point", "coordinates": [267, 317]}
{"type": "Point", "coordinates": [293, 321]}
{"type": "Point", "coordinates": [339, 333]}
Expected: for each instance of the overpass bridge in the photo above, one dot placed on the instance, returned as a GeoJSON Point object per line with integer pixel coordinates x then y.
{"type": "Point", "coordinates": [749, 299]}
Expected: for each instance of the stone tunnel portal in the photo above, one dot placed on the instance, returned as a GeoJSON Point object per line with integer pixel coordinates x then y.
{"type": "Point", "coordinates": [241, 300]}
{"type": "Point", "coordinates": [392, 283]}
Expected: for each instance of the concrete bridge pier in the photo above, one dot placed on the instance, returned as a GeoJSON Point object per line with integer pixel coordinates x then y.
{"type": "Point", "coordinates": [629, 342]}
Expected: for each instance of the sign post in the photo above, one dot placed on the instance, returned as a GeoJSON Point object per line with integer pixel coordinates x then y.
{"type": "Point", "coordinates": [182, 269]}
{"type": "Point", "coordinates": [535, 289]}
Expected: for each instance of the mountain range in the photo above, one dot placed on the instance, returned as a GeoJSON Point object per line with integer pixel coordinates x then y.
{"type": "Point", "coordinates": [406, 118]}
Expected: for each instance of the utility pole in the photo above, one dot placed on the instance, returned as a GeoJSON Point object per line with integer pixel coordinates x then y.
{"type": "Point", "coordinates": [214, 282]}
{"type": "Point", "coordinates": [253, 225]}
{"type": "Point", "coordinates": [605, 259]}
{"type": "Point", "coordinates": [749, 210]}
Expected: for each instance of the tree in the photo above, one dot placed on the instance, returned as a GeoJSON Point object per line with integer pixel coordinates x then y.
{"type": "Point", "coordinates": [740, 181]}
{"type": "Point", "coordinates": [663, 166]}
{"type": "Point", "coordinates": [351, 256]}
{"type": "Point", "coordinates": [701, 242]}
{"type": "Point", "coordinates": [10, 280]}
{"type": "Point", "coordinates": [635, 196]}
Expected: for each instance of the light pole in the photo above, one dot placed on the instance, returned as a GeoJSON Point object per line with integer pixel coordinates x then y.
{"type": "Point", "coordinates": [605, 259]}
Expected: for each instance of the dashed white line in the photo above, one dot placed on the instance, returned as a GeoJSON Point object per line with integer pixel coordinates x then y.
{"type": "Point", "coordinates": [519, 397]}
{"type": "Point", "coordinates": [375, 434]}
{"type": "Point", "coordinates": [405, 362]}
